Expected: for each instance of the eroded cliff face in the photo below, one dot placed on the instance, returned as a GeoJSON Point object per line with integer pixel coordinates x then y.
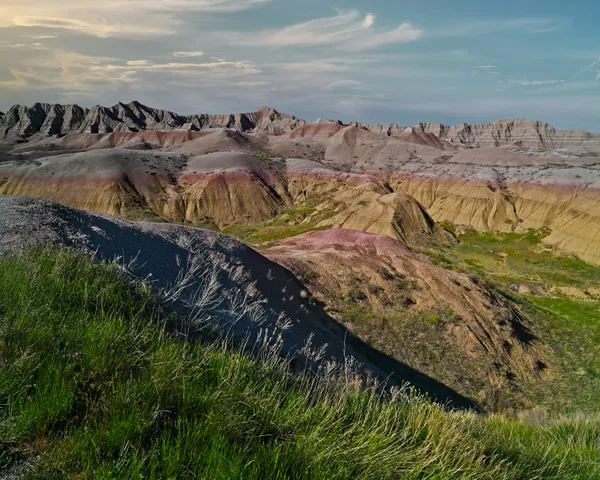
{"type": "Point", "coordinates": [245, 169]}
{"type": "Point", "coordinates": [488, 188]}
{"type": "Point", "coordinates": [53, 119]}
{"type": "Point", "coordinates": [222, 189]}
{"type": "Point", "coordinates": [526, 133]}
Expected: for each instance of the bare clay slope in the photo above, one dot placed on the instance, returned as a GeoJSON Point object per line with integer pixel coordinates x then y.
{"type": "Point", "coordinates": [491, 188]}
{"type": "Point", "coordinates": [220, 179]}
{"type": "Point", "coordinates": [214, 280]}
{"type": "Point", "coordinates": [483, 345]}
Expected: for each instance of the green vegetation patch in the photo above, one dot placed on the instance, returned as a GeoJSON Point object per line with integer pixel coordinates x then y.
{"type": "Point", "coordinates": [522, 257]}
{"type": "Point", "coordinates": [94, 385]}
{"type": "Point", "coordinates": [290, 223]}
{"type": "Point", "coordinates": [535, 275]}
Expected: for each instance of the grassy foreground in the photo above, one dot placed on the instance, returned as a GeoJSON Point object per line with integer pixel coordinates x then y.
{"type": "Point", "coordinates": [93, 386]}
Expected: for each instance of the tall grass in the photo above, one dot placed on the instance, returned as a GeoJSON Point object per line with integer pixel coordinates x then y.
{"type": "Point", "coordinates": [95, 383]}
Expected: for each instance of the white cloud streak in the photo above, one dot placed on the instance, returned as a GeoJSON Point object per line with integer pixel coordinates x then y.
{"type": "Point", "coordinates": [188, 54]}
{"type": "Point", "coordinates": [74, 72]}
{"type": "Point", "coordinates": [346, 30]}
{"type": "Point", "coordinates": [585, 70]}
{"type": "Point", "coordinates": [485, 27]}
{"type": "Point", "coordinates": [534, 83]}
{"type": "Point", "coordinates": [111, 18]}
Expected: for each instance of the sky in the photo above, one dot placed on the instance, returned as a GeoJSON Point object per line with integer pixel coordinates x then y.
{"type": "Point", "coordinates": [376, 61]}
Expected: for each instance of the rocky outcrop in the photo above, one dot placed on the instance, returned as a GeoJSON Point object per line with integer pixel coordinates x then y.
{"type": "Point", "coordinates": [24, 121]}
{"type": "Point", "coordinates": [526, 133]}
{"type": "Point", "coordinates": [47, 119]}
{"type": "Point", "coordinates": [61, 119]}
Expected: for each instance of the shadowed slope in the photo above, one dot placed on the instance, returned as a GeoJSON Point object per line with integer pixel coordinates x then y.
{"type": "Point", "coordinates": [213, 278]}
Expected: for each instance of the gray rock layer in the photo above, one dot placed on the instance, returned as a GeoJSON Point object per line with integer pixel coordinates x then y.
{"type": "Point", "coordinates": [47, 119]}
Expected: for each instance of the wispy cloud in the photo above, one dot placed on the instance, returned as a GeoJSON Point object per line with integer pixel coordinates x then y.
{"type": "Point", "coordinates": [112, 17]}
{"type": "Point", "coordinates": [344, 85]}
{"type": "Point", "coordinates": [315, 67]}
{"type": "Point", "coordinates": [138, 63]}
{"type": "Point", "coordinates": [489, 69]}
{"type": "Point", "coordinates": [587, 69]}
{"type": "Point", "coordinates": [32, 46]}
{"type": "Point", "coordinates": [347, 30]}
{"type": "Point", "coordinates": [484, 27]}
{"type": "Point", "coordinates": [534, 83]}
{"type": "Point", "coordinates": [188, 54]}
{"type": "Point", "coordinates": [74, 72]}
{"type": "Point", "coordinates": [217, 65]}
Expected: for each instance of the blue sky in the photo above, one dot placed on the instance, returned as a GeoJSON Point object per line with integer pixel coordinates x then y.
{"type": "Point", "coordinates": [378, 61]}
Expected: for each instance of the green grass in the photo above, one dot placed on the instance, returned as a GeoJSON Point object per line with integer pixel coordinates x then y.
{"type": "Point", "coordinates": [570, 325]}
{"type": "Point", "coordinates": [290, 223]}
{"type": "Point", "coordinates": [94, 381]}
{"type": "Point", "coordinates": [521, 258]}
{"type": "Point", "coordinates": [428, 350]}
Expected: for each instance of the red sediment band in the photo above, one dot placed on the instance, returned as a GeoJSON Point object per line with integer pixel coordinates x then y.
{"type": "Point", "coordinates": [337, 238]}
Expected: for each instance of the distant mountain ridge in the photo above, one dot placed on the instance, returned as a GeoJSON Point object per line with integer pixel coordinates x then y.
{"type": "Point", "coordinates": [21, 122]}
{"type": "Point", "coordinates": [56, 119]}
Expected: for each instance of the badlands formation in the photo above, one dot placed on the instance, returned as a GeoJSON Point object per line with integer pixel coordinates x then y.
{"type": "Point", "coordinates": [368, 196]}
{"type": "Point", "coordinates": [246, 169]}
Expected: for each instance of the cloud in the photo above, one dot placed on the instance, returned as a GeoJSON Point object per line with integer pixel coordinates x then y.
{"type": "Point", "coordinates": [111, 18]}
{"type": "Point", "coordinates": [188, 54]}
{"type": "Point", "coordinates": [218, 65]}
{"type": "Point", "coordinates": [70, 71]}
{"type": "Point", "coordinates": [151, 26]}
{"type": "Point", "coordinates": [528, 83]}
{"type": "Point", "coordinates": [314, 67]}
{"type": "Point", "coordinates": [587, 69]}
{"type": "Point", "coordinates": [344, 85]}
{"type": "Point", "coordinates": [347, 30]}
{"type": "Point", "coordinates": [489, 69]}
{"type": "Point", "coordinates": [484, 27]}
{"type": "Point", "coordinates": [31, 46]}
{"type": "Point", "coordinates": [137, 63]}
